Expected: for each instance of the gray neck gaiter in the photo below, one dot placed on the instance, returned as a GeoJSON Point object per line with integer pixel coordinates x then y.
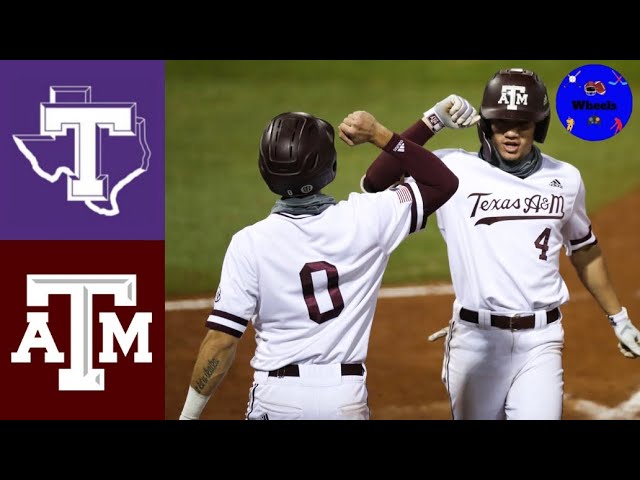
{"type": "Point", "coordinates": [522, 169]}
{"type": "Point", "coordinates": [309, 205]}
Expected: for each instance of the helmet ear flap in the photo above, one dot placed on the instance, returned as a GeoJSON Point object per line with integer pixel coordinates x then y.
{"type": "Point", "coordinates": [484, 127]}
{"type": "Point", "coordinates": [542, 127]}
{"type": "Point", "coordinates": [484, 135]}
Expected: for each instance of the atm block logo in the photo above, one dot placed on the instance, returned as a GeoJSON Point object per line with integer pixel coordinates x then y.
{"type": "Point", "coordinates": [82, 330]}
{"type": "Point", "coordinates": [71, 112]}
{"type": "Point", "coordinates": [82, 374]}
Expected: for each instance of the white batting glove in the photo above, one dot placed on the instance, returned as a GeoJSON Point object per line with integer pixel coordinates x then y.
{"type": "Point", "coordinates": [453, 112]}
{"type": "Point", "coordinates": [439, 334]}
{"type": "Point", "coordinates": [628, 335]}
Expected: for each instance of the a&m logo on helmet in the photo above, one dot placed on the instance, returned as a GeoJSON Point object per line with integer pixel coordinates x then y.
{"type": "Point", "coordinates": [512, 96]}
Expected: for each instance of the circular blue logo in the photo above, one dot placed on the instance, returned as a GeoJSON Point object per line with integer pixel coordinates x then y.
{"type": "Point", "coordinates": [594, 102]}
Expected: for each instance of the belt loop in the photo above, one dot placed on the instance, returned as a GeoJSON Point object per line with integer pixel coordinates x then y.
{"type": "Point", "coordinates": [484, 319]}
{"type": "Point", "coordinates": [457, 306]}
{"type": "Point", "coordinates": [260, 376]}
{"type": "Point", "coordinates": [541, 318]}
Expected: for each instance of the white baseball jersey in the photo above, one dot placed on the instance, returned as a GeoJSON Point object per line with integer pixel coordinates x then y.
{"type": "Point", "coordinates": [310, 283]}
{"type": "Point", "coordinates": [506, 233]}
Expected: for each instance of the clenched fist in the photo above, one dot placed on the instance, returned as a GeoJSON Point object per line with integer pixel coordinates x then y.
{"type": "Point", "coordinates": [453, 112]}
{"type": "Point", "coordinates": [361, 127]}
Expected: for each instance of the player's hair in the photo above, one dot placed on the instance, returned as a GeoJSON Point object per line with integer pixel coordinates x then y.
{"type": "Point", "coordinates": [297, 155]}
{"type": "Point", "coordinates": [531, 102]}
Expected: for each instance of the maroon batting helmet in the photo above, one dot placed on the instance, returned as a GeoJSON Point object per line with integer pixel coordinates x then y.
{"type": "Point", "coordinates": [515, 94]}
{"type": "Point", "coordinates": [297, 156]}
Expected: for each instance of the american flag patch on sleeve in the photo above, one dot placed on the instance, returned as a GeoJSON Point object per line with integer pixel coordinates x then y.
{"type": "Point", "coordinates": [403, 194]}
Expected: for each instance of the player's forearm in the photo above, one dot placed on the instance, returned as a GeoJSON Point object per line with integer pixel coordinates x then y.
{"type": "Point", "coordinates": [215, 357]}
{"type": "Point", "coordinates": [592, 270]}
{"type": "Point", "coordinates": [385, 170]}
{"type": "Point", "coordinates": [434, 179]}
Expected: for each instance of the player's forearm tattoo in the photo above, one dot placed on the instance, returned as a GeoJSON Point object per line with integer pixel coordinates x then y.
{"type": "Point", "coordinates": [201, 383]}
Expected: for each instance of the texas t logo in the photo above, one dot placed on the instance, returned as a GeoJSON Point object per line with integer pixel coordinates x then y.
{"type": "Point", "coordinates": [81, 374]}
{"type": "Point", "coordinates": [71, 109]}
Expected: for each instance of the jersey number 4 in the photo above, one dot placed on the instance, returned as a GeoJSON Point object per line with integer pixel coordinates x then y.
{"type": "Point", "coordinates": [310, 295]}
{"type": "Point", "coordinates": [542, 242]}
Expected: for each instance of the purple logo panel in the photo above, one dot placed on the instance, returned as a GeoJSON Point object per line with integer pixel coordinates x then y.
{"type": "Point", "coordinates": [82, 150]}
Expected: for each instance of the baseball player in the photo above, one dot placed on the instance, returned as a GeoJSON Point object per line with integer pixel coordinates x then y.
{"type": "Point", "coordinates": [308, 275]}
{"type": "Point", "coordinates": [514, 210]}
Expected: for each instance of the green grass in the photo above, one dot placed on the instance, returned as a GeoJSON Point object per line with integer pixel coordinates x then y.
{"type": "Point", "coordinates": [216, 110]}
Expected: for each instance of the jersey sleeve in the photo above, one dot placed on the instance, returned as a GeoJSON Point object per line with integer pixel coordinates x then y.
{"type": "Point", "coordinates": [237, 295]}
{"type": "Point", "coordinates": [576, 233]}
{"type": "Point", "coordinates": [399, 213]}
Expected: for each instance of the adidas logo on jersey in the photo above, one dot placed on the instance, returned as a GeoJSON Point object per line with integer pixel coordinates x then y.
{"type": "Point", "coordinates": [399, 147]}
{"type": "Point", "coordinates": [555, 183]}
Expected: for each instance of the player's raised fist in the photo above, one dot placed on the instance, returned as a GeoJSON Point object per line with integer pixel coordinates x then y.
{"type": "Point", "coordinates": [361, 127]}
{"type": "Point", "coordinates": [453, 112]}
{"type": "Point", "coordinates": [358, 127]}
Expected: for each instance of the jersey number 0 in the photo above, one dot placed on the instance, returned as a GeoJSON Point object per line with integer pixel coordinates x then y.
{"type": "Point", "coordinates": [332, 287]}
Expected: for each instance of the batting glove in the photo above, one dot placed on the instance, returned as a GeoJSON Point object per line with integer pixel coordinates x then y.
{"type": "Point", "coordinates": [439, 334]}
{"type": "Point", "coordinates": [628, 335]}
{"type": "Point", "coordinates": [453, 112]}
